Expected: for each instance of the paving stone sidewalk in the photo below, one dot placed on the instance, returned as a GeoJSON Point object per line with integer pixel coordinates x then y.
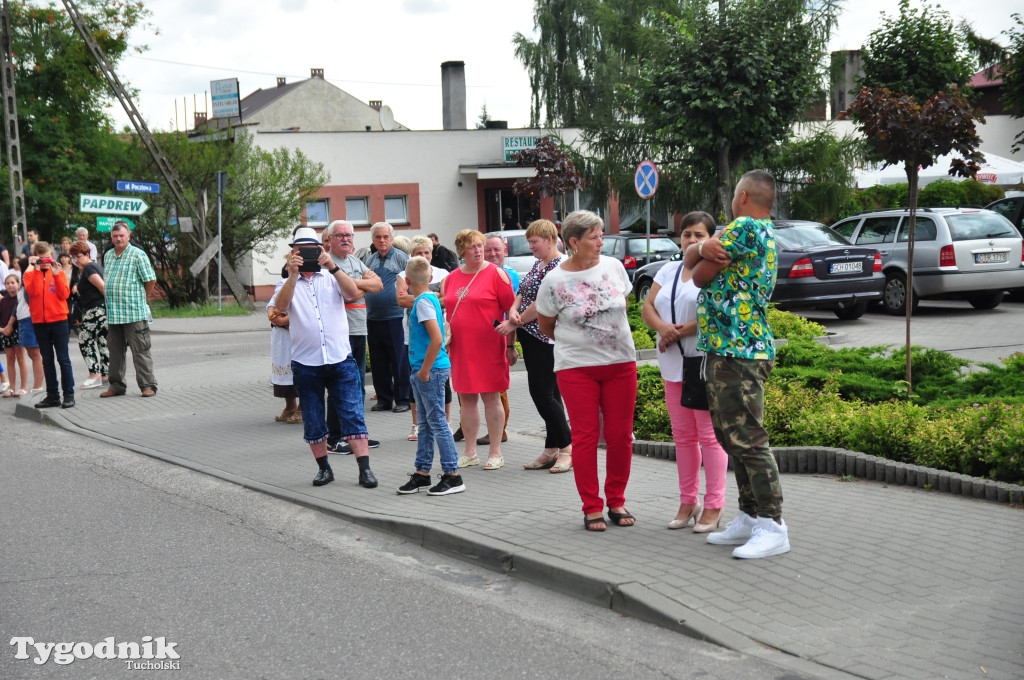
{"type": "Point", "coordinates": [882, 581]}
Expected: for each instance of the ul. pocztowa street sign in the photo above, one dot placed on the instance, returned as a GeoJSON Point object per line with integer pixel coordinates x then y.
{"type": "Point", "coordinates": [111, 205]}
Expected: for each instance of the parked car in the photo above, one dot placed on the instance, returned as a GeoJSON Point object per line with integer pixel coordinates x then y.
{"type": "Point", "coordinates": [1012, 208]}
{"type": "Point", "coordinates": [519, 257]}
{"type": "Point", "coordinates": [817, 269]}
{"type": "Point", "coordinates": [960, 253]}
{"type": "Point", "coordinates": [632, 251]}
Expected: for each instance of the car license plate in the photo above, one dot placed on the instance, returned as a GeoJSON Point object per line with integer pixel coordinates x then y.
{"type": "Point", "coordinates": [846, 268]}
{"type": "Point", "coordinates": [989, 258]}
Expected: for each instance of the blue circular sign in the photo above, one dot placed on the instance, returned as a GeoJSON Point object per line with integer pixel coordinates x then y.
{"type": "Point", "coordinates": [646, 179]}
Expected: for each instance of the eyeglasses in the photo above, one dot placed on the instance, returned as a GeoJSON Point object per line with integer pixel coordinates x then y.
{"type": "Point", "coordinates": [343, 237]}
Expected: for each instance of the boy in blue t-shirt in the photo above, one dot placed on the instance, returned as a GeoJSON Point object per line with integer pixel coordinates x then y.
{"type": "Point", "coordinates": [430, 370]}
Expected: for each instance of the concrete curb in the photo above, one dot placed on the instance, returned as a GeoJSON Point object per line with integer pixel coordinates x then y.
{"type": "Point", "coordinates": [843, 463]}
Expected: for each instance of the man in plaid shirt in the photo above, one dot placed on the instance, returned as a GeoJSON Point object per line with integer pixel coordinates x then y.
{"type": "Point", "coordinates": [129, 282]}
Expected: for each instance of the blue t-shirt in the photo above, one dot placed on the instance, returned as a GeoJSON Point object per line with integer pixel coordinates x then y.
{"type": "Point", "coordinates": [514, 276]}
{"type": "Point", "coordinates": [425, 307]}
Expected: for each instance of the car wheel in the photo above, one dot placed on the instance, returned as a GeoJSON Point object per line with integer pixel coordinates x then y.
{"type": "Point", "coordinates": [894, 298]}
{"type": "Point", "coordinates": [989, 300]}
{"type": "Point", "coordinates": [852, 311]}
{"type": "Point", "coordinates": [643, 289]}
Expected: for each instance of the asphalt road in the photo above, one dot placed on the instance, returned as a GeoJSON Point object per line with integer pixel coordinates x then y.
{"type": "Point", "coordinates": [102, 542]}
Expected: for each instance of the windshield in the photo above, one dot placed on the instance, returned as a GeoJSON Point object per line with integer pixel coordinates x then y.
{"type": "Point", "coordinates": [970, 226]}
{"type": "Point", "coordinates": [796, 236]}
{"type": "Point", "coordinates": [638, 246]}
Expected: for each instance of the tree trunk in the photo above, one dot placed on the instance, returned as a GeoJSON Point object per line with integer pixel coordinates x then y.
{"type": "Point", "coordinates": [911, 238]}
{"type": "Point", "coordinates": [724, 187]}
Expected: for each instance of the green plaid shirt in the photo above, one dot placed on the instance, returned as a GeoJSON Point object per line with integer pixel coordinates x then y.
{"type": "Point", "coordinates": [127, 275]}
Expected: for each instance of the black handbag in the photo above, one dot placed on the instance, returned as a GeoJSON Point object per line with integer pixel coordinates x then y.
{"type": "Point", "coordinates": [695, 392]}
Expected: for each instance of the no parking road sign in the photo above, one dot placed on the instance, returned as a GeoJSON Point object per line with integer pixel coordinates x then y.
{"type": "Point", "coordinates": [646, 180]}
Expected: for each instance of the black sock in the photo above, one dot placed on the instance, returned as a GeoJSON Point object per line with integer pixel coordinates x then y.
{"type": "Point", "coordinates": [323, 463]}
{"type": "Point", "coordinates": [364, 463]}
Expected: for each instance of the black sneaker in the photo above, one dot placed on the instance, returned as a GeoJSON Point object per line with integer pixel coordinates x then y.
{"type": "Point", "coordinates": [448, 484]}
{"type": "Point", "coordinates": [372, 443]}
{"type": "Point", "coordinates": [416, 481]}
{"type": "Point", "coordinates": [339, 447]}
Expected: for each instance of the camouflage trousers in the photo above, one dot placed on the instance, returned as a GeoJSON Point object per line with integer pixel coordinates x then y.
{"type": "Point", "coordinates": [736, 397]}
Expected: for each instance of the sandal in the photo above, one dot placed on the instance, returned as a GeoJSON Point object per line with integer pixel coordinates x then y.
{"type": "Point", "coordinates": [466, 461]}
{"type": "Point", "coordinates": [285, 415]}
{"type": "Point", "coordinates": [590, 523]}
{"type": "Point", "coordinates": [561, 467]}
{"type": "Point", "coordinates": [494, 463]}
{"type": "Point", "coordinates": [17, 395]}
{"type": "Point", "coordinates": [543, 462]}
{"type": "Point", "coordinates": [295, 418]}
{"type": "Point", "coordinates": [619, 518]}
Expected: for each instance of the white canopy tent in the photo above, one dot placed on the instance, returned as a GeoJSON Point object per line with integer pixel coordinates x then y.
{"type": "Point", "coordinates": [995, 170]}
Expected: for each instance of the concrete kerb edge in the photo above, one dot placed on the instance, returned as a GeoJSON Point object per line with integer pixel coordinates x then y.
{"type": "Point", "coordinates": [841, 462]}
{"type": "Point", "coordinates": [579, 581]}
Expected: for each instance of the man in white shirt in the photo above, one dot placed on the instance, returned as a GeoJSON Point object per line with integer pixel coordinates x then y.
{"type": "Point", "coordinates": [321, 354]}
{"type": "Point", "coordinates": [82, 234]}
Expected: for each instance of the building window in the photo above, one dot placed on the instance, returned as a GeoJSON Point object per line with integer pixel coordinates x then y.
{"type": "Point", "coordinates": [318, 213]}
{"type": "Point", "coordinates": [356, 211]}
{"type": "Point", "coordinates": [396, 210]}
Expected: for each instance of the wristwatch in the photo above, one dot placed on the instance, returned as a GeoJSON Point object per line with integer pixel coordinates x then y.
{"type": "Point", "coordinates": [335, 270]}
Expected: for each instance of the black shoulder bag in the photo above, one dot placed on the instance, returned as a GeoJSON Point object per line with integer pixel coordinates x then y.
{"type": "Point", "coordinates": [695, 393]}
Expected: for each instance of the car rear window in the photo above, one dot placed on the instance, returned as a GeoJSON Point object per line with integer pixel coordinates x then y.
{"type": "Point", "coordinates": [807, 235]}
{"type": "Point", "coordinates": [970, 226]}
{"type": "Point", "coordinates": [517, 246]}
{"type": "Point", "coordinates": [638, 246]}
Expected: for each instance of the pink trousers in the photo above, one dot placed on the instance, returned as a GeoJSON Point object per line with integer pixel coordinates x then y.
{"type": "Point", "coordinates": [596, 395]}
{"type": "Point", "coordinates": [694, 436]}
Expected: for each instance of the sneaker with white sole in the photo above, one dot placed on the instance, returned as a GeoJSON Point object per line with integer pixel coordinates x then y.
{"type": "Point", "coordinates": [737, 532]}
{"type": "Point", "coordinates": [90, 383]}
{"type": "Point", "coordinates": [449, 484]}
{"type": "Point", "coordinates": [768, 538]}
{"type": "Point", "coordinates": [415, 483]}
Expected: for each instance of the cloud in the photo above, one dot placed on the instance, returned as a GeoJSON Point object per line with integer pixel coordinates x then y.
{"type": "Point", "coordinates": [426, 6]}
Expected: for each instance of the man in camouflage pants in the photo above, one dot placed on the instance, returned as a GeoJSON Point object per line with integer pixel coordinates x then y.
{"type": "Point", "coordinates": [736, 270]}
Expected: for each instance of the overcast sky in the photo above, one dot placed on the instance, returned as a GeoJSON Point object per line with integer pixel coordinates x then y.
{"type": "Point", "coordinates": [390, 50]}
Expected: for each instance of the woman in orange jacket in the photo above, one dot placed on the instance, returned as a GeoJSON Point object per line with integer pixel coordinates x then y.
{"type": "Point", "coordinates": [48, 292]}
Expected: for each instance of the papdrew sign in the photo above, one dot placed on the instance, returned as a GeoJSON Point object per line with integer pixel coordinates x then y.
{"type": "Point", "coordinates": [111, 205]}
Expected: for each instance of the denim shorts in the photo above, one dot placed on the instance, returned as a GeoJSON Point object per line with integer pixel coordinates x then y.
{"type": "Point", "coordinates": [341, 381]}
{"type": "Point", "coordinates": [26, 333]}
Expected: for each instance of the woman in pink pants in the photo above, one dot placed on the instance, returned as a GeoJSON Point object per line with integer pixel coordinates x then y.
{"type": "Point", "coordinates": [670, 309]}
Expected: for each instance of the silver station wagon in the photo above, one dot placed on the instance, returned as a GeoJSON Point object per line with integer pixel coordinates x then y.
{"type": "Point", "coordinates": [971, 254]}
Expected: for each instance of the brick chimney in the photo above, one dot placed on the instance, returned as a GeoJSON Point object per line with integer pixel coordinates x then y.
{"type": "Point", "coordinates": [281, 82]}
{"type": "Point", "coordinates": [453, 95]}
{"type": "Point", "coordinates": [375, 104]}
{"type": "Point", "coordinates": [316, 73]}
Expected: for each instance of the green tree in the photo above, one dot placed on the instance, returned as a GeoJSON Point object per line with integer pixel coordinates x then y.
{"type": "Point", "coordinates": [815, 173]}
{"type": "Point", "coordinates": [717, 87]}
{"type": "Point", "coordinates": [583, 50]}
{"type": "Point", "coordinates": [1012, 72]}
{"type": "Point", "coordinates": [917, 52]}
{"type": "Point", "coordinates": [66, 145]}
{"type": "Point", "coordinates": [264, 199]}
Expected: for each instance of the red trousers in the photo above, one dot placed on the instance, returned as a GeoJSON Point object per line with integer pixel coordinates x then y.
{"type": "Point", "coordinates": [596, 396]}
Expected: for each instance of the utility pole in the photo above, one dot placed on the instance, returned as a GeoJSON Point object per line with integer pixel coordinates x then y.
{"type": "Point", "coordinates": [184, 205]}
{"type": "Point", "coordinates": [13, 145]}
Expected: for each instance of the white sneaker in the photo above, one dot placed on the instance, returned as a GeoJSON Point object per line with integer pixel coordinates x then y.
{"type": "Point", "coordinates": [89, 383]}
{"type": "Point", "coordinates": [737, 532]}
{"type": "Point", "coordinates": [768, 538]}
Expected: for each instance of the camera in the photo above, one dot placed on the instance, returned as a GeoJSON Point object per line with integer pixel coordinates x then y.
{"type": "Point", "coordinates": [310, 258]}
{"type": "Point", "coordinates": [46, 260]}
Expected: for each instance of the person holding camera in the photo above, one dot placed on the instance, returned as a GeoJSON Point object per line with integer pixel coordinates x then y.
{"type": "Point", "coordinates": [48, 293]}
{"type": "Point", "coordinates": [314, 296]}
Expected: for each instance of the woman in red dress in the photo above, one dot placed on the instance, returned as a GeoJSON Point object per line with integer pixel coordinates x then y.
{"type": "Point", "coordinates": [476, 296]}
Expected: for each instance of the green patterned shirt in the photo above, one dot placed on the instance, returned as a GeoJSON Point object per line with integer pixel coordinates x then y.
{"type": "Point", "coordinates": [732, 311]}
{"type": "Point", "coordinates": [127, 275]}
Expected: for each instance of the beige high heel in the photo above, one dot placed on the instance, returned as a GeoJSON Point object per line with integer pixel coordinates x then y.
{"type": "Point", "coordinates": [694, 513]}
{"type": "Point", "coordinates": [707, 527]}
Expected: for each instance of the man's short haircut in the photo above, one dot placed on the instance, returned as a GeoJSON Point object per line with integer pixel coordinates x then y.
{"type": "Point", "coordinates": [335, 224]}
{"type": "Point", "coordinates": [542, 229]}
{"type": "Point", "coordinates": [118, 226]}
{"type": "Point", "coordinates": [417, 271]}
{"type": "Point", "coordinates": [79, 248]}
{"type": "Point", "coordinates": [422, 242]}
{"type": "Point", "coordinates": [82, 231]}
{"type": "Point", "coordinates": [41, 248]}
{"type": "Point", "coordinates": [760, 186]}
{"type": "Point", "coordinates": [378, 226]}
{"type": "Point", "coordinates": [432, 237]}
{"type": "Point", "coordinates": [466, 238]}
{"type": "Point", "coordinates": [578, 223]}
{"type": "Point", "coordinates": [699, 217]}
{"type": "Point", "coordinates": [33, 231]}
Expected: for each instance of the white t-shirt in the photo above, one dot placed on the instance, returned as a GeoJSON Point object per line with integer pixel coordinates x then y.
{"type": "Point", "coordinates": [590, 310]}
{"type": "Point", "coordinates": [671, 361]}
